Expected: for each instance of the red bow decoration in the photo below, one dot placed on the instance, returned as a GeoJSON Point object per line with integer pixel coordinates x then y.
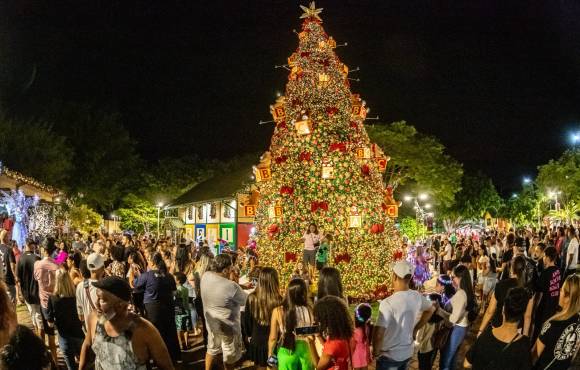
{"type": "Point", "coordinates": [338, 147]}
{"type": "Point", "coordinates": [281, 159]}
{"type": "Point", "coordinates": [343, 257]}
{"type": "Point", "coordinates": [377, 228]}
{"type": "Point", "coordinates": [382, 292]}
{"type": "Point", "coordinates": [314, 206]}
{"type": "Point", "coordinates": [305, 54]}
{"type": "Point", "coordinates": [384, 206]}
{"type": "Point", "coordinates": [282, 125]}
{"type": "Point", "coordinates": [273, 230]}
{"type": "Point", "coordinates": [286, 190]}
{"type": "Point", "coordinates": [331, 111]}
{"type": "Point", "coordinates": [290, 257]}
{"type": "Point", "coordinates": [324, 62]}
{"type": "Point", "coordinates": [305, 156]}
{"type": "Point", "coordinates": [353, 124]}
{"type": "Point", "coordinates": [366, 170]}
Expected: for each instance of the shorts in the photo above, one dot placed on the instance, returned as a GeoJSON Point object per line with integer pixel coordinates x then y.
{"type": "Point", "coordinates": [48, 330]}
{"type": "Point", "coordinates": [35, 314]}
{"type": "Point", "coordinates": [231, 347]}
{"type": "Point", "coordinates": [309, 257]}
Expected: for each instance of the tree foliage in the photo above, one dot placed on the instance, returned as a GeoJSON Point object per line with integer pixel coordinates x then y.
{"type": "Point", "coordinates": [34, 149]}
{"type": "Point", "coordinates": [84, 219]}
{"type": "Point", "coordinates": [562, 175]}
{"type": "Point", "coordinates": [568, 213]}
{"type": "Point", "coordinates": [477, 196]}
{"type": "Point", "coordinates": [418, 158]}
{"type": "Point", "coordinates": [412, 229]}
{"type": "Point", "coordinates": [137, 214]}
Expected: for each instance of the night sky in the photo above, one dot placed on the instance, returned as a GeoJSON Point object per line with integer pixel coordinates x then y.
{"type": "Point", "coordinates": [498, 82]}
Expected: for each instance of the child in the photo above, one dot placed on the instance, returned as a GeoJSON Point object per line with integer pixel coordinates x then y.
{"type": "Point", "coordinates": [323, 251]}
{"type": "Point", "coordinates": [182, 314]}
{"type": "Point", "coordinates": [361, 356]}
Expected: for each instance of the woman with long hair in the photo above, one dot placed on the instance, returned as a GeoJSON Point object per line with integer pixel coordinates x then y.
{"type": "Point", "coordinates": [311, 239]}
{"type": "Point", "coordinates": [494, 312]}
{"type": "Point", "coordinates": [62, 313]}
{"type": "Point", "coordinates": [559, 339]}
{"type": "Point", "coordinates": [159, 287]}
{"type": "Point", "coordinates": [73, 263]}
{"type": "Point", "coordinates": [257, 315]}
{"type": "Point", "coordinates": [335, 334]}
{"type": "Point", "coordinates": [183, 262]}
{"type": "Point", "coordinates": [293, 350]}
{"type": "Point", "coordinates": [8, 321]}
{"type": "Point", "coordinates": [330, 283]}
{"type": "Point", "coordinates": [463, 307]}
{"type": "Point", "coordinates": [503, 347]}
{"type": "Point", "coordinates": [202, 265]}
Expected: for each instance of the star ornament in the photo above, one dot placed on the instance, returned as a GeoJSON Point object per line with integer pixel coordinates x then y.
{"type": "Point", "coordinates": [311, 12]}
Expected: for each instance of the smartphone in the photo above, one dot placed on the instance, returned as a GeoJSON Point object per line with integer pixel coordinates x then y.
{"type": "Point", "coordinates": [306, 330]}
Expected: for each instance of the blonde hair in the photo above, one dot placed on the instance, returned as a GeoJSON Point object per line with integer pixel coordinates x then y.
{"type": "Point", "coordinates": [64, 286]}
{"type": "Point", "coordinates": [571, 288]}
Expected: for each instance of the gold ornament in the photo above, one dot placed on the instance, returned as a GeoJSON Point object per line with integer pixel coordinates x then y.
{"type": "Point", "coordinates": [323, 79]}
{"type": "Point", "coordinates": [277, 110]}
{"type": "Point", "coordinates": [327, 169]}
{"type": "Point", "coordinates": [355, 218]}
{"type": "Point", "coordinates": [311, 12]}
{"type": "Point", "coordinates": [303, 127]}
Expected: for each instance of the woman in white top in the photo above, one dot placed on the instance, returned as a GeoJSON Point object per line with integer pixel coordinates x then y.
{"type": "Point", "coordinates": [293, 350]}
{"type": "Point", "coordinates": [462, 303]}
{"type": "Point", "coordinates": [311, 238]}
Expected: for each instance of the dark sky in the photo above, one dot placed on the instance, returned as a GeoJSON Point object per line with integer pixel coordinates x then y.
{"type": "Point", "coordinates": [497, 81]}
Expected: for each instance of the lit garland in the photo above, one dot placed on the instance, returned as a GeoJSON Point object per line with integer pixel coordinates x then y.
{"type": "Point", "coordinates": [41, 222]}
{"type": "Point", "coordinates": [319, 124]}
{"type": "Point", "coordinates": [20, 178]}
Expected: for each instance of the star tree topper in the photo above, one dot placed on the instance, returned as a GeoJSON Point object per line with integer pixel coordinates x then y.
{"type": "Point", "coordinates": [311, 12]}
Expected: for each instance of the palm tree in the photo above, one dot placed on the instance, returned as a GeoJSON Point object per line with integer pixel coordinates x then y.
{"type": "Point", "coordinates": [568, 213]}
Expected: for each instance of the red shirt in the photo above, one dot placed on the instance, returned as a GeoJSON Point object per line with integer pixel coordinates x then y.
{"type": "Point", "coordinates": [340, 352]}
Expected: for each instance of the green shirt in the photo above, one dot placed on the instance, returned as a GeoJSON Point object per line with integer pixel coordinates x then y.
{"type": "Point", "coordinates": [322, 254]}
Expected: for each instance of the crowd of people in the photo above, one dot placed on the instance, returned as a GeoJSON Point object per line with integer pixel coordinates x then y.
{"type": "Point", "coordinates": [117, 302]}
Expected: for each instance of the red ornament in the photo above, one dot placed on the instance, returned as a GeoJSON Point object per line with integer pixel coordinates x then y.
{"type": "Point", "coordinates": [296, 102]}
{"type": "Point", "coordinates": [398, 255]}
{"type": "Point", "coordinates": [384, 206]}
{"type": "Point", "coordinates": [377, 228]}
{"type": "Point", "coordinates": [305, 54]}
{"type": "Point", "coordinates": [286, 190]}
{"type": "Point", "coordinates": [353, 124]}
{"type": "Point", "coordinates": [282, 125]}
{"type": "Point", "coordinates": [281, 159]}
{"type": "Point", "coordinates": [366, 170]}
{"type": "Point", "coordinates": [337, 147]}
{"type": "Point", "coordinates": [305, 156]}
{"type": "Point", "coordinates": [343, 257]}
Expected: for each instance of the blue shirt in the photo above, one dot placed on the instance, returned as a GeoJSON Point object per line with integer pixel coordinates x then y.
{"type": "Point", "coordinates": [156, 287]}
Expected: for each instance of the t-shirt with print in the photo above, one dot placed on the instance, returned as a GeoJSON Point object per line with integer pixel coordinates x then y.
{"type": "Point", "coordinates": [398, 315]}
{"type": "Point", "coordinates": [489, 353]}
{"type": "Point", "coordinates": [322, 253]}
{"type": "Point", "coordinates": [549, 285]}
{"type": "Point", "coordinates": [6, 258]}
{"type": "Point", "coordinates": [340, 352]}
{"type": "Point", "coordinates": [561, 339]}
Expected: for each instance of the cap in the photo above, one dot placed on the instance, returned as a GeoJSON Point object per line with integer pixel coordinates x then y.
{"type": "Point", "coordinates": [95, 261]}
{"type": "Point", "coordinates": [403, 268]}
{"type": "Point", "coordinates": [115, 285]}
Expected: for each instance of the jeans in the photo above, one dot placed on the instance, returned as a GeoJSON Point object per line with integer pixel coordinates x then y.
{"type": "Point", "coordinates": [385, 363]}
{"type": "Point", "coordinates": [70, 347]}
{"type": "Point", "coordinates": [193, 313]}
{"type": "Point", "coordinates": [447, 361]}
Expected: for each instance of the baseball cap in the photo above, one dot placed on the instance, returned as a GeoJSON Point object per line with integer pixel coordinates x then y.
{"type": "Point", "coordinates": [403, 268]}
{"type": "Point", "coordinates": [115, 285]}
{"type": "Point", "coordinates": [95, 261]}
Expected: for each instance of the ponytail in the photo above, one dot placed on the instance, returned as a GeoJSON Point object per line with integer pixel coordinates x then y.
{"type": "Point", "coordinates": [160, 263]}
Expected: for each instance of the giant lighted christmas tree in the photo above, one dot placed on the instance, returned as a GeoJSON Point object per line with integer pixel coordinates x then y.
{"type": "Point", "coordinates": [321, 168]}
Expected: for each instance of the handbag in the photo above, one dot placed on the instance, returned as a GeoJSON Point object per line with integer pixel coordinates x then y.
{"type": "Point", "coordinates": [440, 337]}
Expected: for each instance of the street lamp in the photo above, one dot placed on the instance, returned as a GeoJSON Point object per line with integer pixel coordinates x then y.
{"type": "Point", "coordinates": [575, 137]}
{"type": "Point", "coordinates": [419, 210]}
{"type": "Point", "coordinates": [159, 205]}
{"type": "Point", "coordinates": [527, 180]}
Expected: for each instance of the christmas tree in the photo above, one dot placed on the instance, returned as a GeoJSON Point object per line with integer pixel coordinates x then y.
{"type": "Point", "coordinates": [321, 168]}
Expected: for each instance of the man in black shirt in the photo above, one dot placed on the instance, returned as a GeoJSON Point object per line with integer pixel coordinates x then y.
{"type": "Point", "coordinates": [29, 285]}
{"type": "Point", "coordinates": [547, 291]}
{"type": "Point", "coordinates": [8, 266]}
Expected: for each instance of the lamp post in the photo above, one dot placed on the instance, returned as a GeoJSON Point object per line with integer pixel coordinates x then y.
{"type": "Point", "coordinates": [159, 205]}
{"type": "Point", "coordinates": [554, 194]}
{"type": "Point", "coordinates": [419, 210]}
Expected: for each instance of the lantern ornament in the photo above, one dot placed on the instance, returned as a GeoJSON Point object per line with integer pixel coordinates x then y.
{"type": "Point", "coordinates": [323, 79]}
{"type": "Point", "coordinates": [382, 163]}
{"type": "Point", "coordinates": [304, 126]}
{"type": "Point", "coordinates": [344, 69]}
{"type": "Point", "coordinates": [327, 168]}
{"type": "Point", "coordinates": [363, 152]}
{"type": "Point", "coordinates": [296, 72]}
{"type": "Point", "coordinates": [358, 107]}
{"type": "Point", "coordinates": [262, 171]}
{"type": "Point", "coordinates": [278, 111]}
{"type": "Point", "coordinates": [354, 218]}
{"type": "Point", "coordinates": [293, 60]}
{"type": "Point", "coordinates": [250, 210]}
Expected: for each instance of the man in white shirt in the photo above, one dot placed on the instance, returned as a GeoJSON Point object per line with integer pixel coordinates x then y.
{"type": "Point", "coordinates": [572, 253]}
{"type": "Point", "coordinates": [86, 293]}
{"type": "Point", "coordinates": [397, 324]}
{"type": "Point", "coordinates": [447, 254]}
